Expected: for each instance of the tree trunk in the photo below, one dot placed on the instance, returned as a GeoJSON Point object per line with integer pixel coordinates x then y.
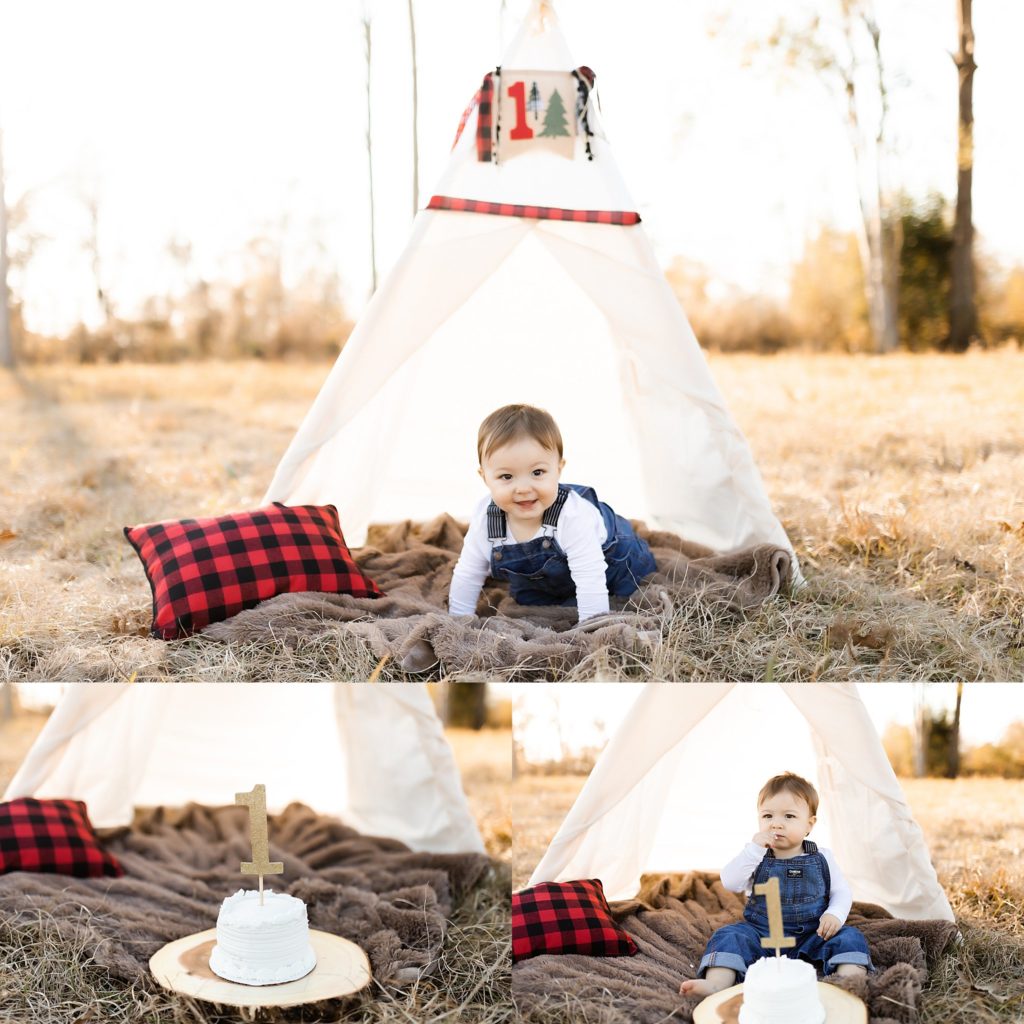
{"type": "Point", "coordinates": [369, 156]}
{"type": "Point", "coordinates": [880, 239]}
{"type": "Point", "coordinates": [467, 705]}
{"type": "Point", "coordinates": [963, 316]}
{"type": "Point", "coordinates": [415, 119]}
{"type": "Point", "coordinates": [922, 732]}
{"type": "Point", "coordinates": [886, 326]}
{"type": "Point", "coordinates": [6, 342]}
{"type": "Point", "coordinates": [953, 750]}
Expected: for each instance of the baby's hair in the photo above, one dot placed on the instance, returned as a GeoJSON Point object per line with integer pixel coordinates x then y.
{"type": "Point", "coordinates": [787, 782]}
{"type": "Point", "coordinates": [511, 422]}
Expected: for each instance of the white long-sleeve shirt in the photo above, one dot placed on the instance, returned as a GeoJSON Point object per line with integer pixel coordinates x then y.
{"type": "Point", "coordinates": [738, 876]}
{"type": "Point", "coordinates": [581, 534]}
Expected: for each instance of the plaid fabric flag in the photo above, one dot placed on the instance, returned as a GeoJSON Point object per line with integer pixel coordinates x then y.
{"type": "Point", "coordinates": [485, 119]}
{"type": "Point", "coordinates": [624, 217]}
{"type": "Point", "coordinates": [584, 84]}
{"type": "Point", "coordinates": [566, 917]}
{"type": "Point", "coordinates": [465, 117]}
{"type": "Point", "coordinates": [206, 570]}
{"type": "Point", "coordinates": [54, 836]}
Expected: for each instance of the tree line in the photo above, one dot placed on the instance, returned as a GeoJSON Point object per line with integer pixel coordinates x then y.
{"type": "Point", "coordinates": [909, 277]}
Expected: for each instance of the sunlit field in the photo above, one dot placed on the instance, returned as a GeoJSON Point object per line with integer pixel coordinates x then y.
{"type": "Point", "coordinates": [45, 982]}
{"type": "Point", "coordinates": [975, 832]}
{"type": "Point", "coordinates": [898, 480]}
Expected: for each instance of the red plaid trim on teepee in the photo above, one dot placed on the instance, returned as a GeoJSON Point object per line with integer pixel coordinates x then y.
{"type": "Point", "coordinates": [624, 217]}
{"type": "Point", "coordinates": [206, 570]}
{"type": "Point", "coordinates": [566, 917]}
{"type": "Point", "coordinates": [54, 836]}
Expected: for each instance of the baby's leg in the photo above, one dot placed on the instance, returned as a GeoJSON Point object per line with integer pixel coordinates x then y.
{"type": "Point", "coordinates": [715, 980]}
{"type": "Point", "coordinates": [729, 951]}
{"type": "Point", "coordinates": [846, 953]}
{"type": "Point", "coordinates": [851, 970]}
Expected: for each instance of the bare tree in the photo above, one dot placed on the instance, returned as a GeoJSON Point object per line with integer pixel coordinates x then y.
{"type": "Point", "coordinates": [415, 118]}
{"type": "Point", "coordinates": [466, 705]}
{"type": "Point", "coordinates": [90, 199]}
{"type": "Point", "coordinates": [6, 342]}
{"type": "Point", "coordinates": [368, 45]}
{"type": "Point", "coordinates": [953, 739]}
{"type": "Point", "coordinates": [845, 52]}
{"type": "Point", "coordinates": [963, 314]}
{"type": "Point", "coordinates": [922, 730]}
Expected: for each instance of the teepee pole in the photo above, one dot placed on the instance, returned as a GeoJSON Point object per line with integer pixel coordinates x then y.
{"type": "Point", "coordinates": [369, 148]}
{"type": "Point", "coordinates": [415, 117]}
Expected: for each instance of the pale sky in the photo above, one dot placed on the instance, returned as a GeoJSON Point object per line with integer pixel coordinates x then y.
{"type": "Point", "coordinates": [986, 710]}
{"type": "Point", "coordinates": [215, 121]}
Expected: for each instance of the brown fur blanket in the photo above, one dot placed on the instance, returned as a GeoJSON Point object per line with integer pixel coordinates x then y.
{"type": "Point", "coordinates": [413, 563]}
{"type": "Point", "coordinates": [179, 866]}
{"type": "Point", "coordinates": [671, 920]}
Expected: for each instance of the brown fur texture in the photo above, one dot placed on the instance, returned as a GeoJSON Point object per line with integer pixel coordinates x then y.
{"type": "Point", "coordinates": [180, 864]}
{"type": "Point", "coordinates": [413, 563]}
{"type": "Point", "coordinates": [672, 919]}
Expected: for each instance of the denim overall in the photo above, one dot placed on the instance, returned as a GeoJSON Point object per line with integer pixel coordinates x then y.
{"type": "Point", "coordinates": [804, 886]}
{"type": "Point", "coordinates": [538, 570]}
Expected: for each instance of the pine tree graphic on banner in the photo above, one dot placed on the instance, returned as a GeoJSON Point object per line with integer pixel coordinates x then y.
{"type": "Point", "coordinates": [554, 117]}
{"type": "Point", "coordinates": [533, 104]}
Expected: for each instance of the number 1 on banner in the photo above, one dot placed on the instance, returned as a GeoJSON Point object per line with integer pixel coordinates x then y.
{"type": "Point", "coordinates": [522, 130]}
{"type": "Point", "coordinates": [776, 938]}
{"type": "Point", "coordinates": [261, 864]}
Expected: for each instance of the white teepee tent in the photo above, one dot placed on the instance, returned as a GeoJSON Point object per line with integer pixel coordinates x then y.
{"type": "Point", "coordinates": [676, 789]}
{"type": "Point", "coordinates": [500, 304]}
{"type": "Point", "coordinates": [373, 755]}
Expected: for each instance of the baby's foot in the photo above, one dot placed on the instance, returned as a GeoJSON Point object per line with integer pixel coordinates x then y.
{"type": "Point", "coordinates": [699, 987]}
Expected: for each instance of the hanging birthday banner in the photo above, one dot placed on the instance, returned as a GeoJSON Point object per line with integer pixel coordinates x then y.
{"type": "Point", "coordinates": [535, 110]}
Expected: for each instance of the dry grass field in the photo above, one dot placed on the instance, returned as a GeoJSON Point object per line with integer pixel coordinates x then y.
{"type": "Point", "coordinates": [975, 831]}
{"type": "Point", "coordinates": [43, 982]}
{"type": "Point", "coordinates": [898, 480]}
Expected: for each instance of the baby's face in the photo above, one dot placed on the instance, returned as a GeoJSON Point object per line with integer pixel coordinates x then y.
{"type": "Point", "coordinates": [787, 818]}
{"type": "Point", "coordinates": [522, 477]}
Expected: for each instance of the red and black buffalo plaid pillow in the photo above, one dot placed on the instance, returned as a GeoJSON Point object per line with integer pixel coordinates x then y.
{"type": "Point", "coordinates": [566, 917]}
{"type": "Point", "coordinates": [54, 836]}
{"type": "Point", "coordinates": [206, 570]}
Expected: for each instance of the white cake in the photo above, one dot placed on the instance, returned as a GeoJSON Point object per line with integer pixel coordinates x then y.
{"type": "Point", "coordinates": [778, 990]}
{"type": "Point", "coordinates": [262, 945]}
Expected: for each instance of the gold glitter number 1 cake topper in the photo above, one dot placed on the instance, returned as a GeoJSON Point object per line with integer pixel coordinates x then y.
{"type": "Point", "coordinates": [776, 938]}
{"type": "Point", "coordinates": [261, 864]}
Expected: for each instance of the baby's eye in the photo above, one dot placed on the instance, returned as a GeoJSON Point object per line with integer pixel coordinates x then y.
{"type": "Point", "coordinates": [790, 815]}
{"type": "Point", "coordinates": [539, 472]}
{"type": "Point", "coordinates": [504, 476]}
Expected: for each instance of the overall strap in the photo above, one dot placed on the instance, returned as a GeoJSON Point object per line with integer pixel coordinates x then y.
{"type": "Point", "coordinates": [495, 523]}
{"type": "Point", "coordinates": [551, 515]}
{"type": "Point", "coordinates": [808, 847]}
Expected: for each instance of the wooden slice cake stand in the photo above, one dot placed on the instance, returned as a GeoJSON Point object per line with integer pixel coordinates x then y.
{"type": "Point", "coordinates": [724, 1007]}
{"type": "Point", "coordinates": [184, 966]}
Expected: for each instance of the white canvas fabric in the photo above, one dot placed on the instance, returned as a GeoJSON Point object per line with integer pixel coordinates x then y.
{"type": "Point", "coordinates": [676, 789]}
{"type": "Point", "coordinates": [374, 756]}
{"type": "Point", "coordinates": [483, 310]}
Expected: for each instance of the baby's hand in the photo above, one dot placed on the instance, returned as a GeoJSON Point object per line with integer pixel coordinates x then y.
{"type": "Point", "coordinates": [828, 926]}
{"type": "Point", "coordinates": [762, 839]}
